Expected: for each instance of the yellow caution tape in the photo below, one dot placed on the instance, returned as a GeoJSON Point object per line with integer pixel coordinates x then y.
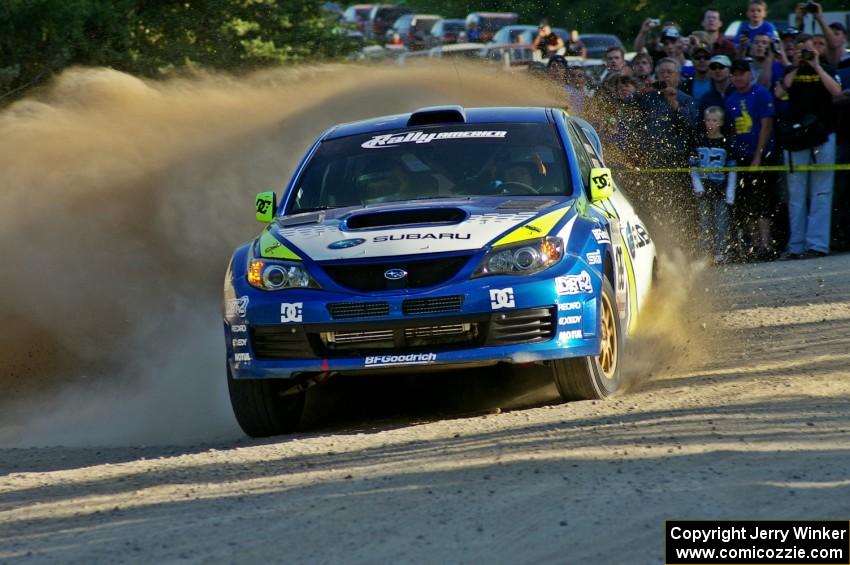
{"type": "Point", "coordinates": [760, 169]}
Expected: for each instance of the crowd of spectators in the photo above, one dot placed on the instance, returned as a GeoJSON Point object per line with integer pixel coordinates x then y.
{"type": "Point", "coordinates": [771, 101]}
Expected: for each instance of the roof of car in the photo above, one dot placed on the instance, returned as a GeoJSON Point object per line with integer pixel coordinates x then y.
{"type": "Point", "coordinates": [473, 116]}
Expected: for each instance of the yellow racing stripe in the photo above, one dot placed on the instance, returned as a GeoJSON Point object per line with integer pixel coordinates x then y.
{"type": "Point", "coordinates": [536, 228]}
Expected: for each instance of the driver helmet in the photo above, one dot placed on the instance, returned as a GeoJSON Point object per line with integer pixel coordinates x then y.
{"type": "Point", "coordinates": [383, 182]}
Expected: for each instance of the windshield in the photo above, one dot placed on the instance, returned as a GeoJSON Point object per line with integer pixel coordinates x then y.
{"type": "Point", "coordinates": [507, 160]}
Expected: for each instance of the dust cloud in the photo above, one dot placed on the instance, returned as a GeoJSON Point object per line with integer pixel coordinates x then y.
{"type": "Point", "coordinates": [672, 334]}
{"type": "Point", "coordinates": [120, 203]}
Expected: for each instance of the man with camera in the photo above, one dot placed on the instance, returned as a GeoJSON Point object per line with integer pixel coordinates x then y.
{"type": "Point", "coordinates": [807, 135]}
{"type": "Point", "coordinates": [835, 34]}
{"type": "Point", "coordinates": [547, 41]}
{"type": "Point", "coordinates": [668, 121]}
{"type": "Point", "coordinates": [766, 60]}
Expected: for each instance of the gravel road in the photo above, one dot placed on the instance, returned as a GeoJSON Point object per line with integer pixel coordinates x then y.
{"type": "Point", "coordinates": [754, 425]}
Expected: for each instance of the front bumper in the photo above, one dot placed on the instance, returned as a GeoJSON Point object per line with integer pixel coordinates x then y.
{"type": "Point", "coordinates": [500, 319]}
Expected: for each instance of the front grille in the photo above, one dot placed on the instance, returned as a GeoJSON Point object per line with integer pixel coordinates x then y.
{"type": "Point", "coordinates": [340, 310]}
{"type": "Point", "coordinates": [437, 305]}
{"type": "Point", "coordinates": [400, 338]}
{"type": "Point", "coordinates": [280, 342]}
{"type": "Point", "coordinates": [384, 337]}
{"type": "Point", "coordinates": [421, 273]}
{"type": "Point", "coordinates": [522, 326]}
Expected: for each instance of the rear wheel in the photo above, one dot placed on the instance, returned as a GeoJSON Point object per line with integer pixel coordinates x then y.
{"type": "Point", "coordinates": [592, 378]}
{"type": "Point", "coordinates": [265, 407]}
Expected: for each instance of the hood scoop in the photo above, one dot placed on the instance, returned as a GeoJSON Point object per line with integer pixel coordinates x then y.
{"type": "Point", "coordinates": [409, 217]}
{"type": "Point", "coordinates": [304, 219]}
{"type": "Point", "coordinates": [524, 205]}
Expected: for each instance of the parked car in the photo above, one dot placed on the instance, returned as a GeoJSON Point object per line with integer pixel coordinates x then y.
{"type": "Point", "coordinates": [382, 17]}
{"type": "Point", "coordinates": [598, 43]}
{"type": "Point", "coordinates": [413, 30]}
{"type": "Point", "coordinates": [482, 26]}
{"type": "Point", "coordinates": [515, 34]}
{"type": "Point", "coordinates": [511, 57]}
{"type": "Point", "coordinates": [357, 15]}
{"type": "Point", "coordinates": [455, 50]}
{"type": "Point", "coordinates": [447, 31]}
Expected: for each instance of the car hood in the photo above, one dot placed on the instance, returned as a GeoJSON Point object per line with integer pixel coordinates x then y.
{"type": "Point", "coordinates": [410, 228]}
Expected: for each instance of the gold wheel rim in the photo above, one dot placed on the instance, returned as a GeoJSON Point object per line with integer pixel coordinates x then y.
{"type": "Point", "coordinates": [608, 353]}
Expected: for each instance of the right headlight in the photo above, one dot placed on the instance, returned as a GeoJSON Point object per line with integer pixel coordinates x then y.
{"type": "Point", "coordinates": [524, 258]}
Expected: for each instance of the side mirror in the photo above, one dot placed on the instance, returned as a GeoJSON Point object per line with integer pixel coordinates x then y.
{"type": "Point", "coordinates": [266, 204]}
{"type": "Point", "coordinates": [601, 185]}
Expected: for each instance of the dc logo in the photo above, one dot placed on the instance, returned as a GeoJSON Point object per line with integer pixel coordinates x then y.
{"type": "Point", "coordinates": [291, 312]}
{"type": "Point", "coordinates": [502, 298]}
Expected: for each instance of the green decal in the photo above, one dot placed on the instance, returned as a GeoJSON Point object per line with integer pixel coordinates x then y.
{"type": "Point", "coordinates": [271, 248]}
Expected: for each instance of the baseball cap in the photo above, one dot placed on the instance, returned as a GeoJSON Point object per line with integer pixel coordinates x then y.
{"type": "Point", "coordinates": [670, 33]}
{"type": "Point", "coordinates": [721, 60]}
{"type": "Point", "coordinates": [740, 65]}
{"type": "Point", "coordinates": [701, 47]}
{"type": "Point", "coordinates": [839, 26]}
{"type": "Point", "coordinates": [789, 32]}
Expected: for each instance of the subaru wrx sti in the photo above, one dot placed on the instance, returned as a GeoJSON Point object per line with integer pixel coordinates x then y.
{"type": "Point", "coordinates": [443, 239]}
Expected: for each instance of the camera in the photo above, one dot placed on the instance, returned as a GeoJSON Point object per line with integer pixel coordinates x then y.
{"type": "Point", "coordinates": [807, 55]}
{"type": "Point", "coordinates": [811, 7]}
{"type": "Point", "coordinates": [659, 85]}
{"type": "Point", "coordinates": [776, 47]}
{"type": "Point", "coordinates": [654, 22]}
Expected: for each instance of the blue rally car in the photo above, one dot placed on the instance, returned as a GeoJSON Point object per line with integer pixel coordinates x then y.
{"type": "Point", "coordinates": [442, 239]}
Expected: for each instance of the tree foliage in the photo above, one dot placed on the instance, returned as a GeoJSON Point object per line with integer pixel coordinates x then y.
{"type": "Point", "coordinates": [154, 37]}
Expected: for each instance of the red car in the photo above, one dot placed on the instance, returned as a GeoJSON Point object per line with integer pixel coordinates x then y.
{"type": "Point", "coordinates": [358, 14]}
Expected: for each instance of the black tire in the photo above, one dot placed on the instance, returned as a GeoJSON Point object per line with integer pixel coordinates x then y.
{"type": "Point", "coordinates": [583, 378]}
{"type": "Point", "coordinates": [261, 407]}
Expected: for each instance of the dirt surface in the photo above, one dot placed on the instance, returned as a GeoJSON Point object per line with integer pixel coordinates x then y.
{"type": "Point", "coordinates": [120, 202]}
{"type": "Point", "coordinates": [757, 429]}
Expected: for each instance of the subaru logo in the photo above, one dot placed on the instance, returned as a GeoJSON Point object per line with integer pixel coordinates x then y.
{"type": "Point", "coordinates": [346, 243]}
{"type": "Point", "coordinates": [395, 274]}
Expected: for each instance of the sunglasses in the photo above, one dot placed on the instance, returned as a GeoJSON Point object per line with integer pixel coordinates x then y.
{"type": "Point", "coordinates": [716, 67]}
{"type": "Point", "coordinates": [701, 57]}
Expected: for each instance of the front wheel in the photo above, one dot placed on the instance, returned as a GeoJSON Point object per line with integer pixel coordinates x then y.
{"type": "Point", "coordinates": [265, 407]}
{"type": "Point", "coordinates": [597, 377]}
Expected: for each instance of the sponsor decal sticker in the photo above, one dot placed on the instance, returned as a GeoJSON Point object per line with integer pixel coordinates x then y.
{"type": "Point", "coordinates": [568, 306]}
{"type": "Point", "coordinates": [396, 360]}
{"type": "Point", "coordinates": [346, 243]}
{"type": "Point", "coordinates": [236, 307]}
{"type": "Point", "coordinates": [394, 140]}
{"type": "Point", "coordinates": [569, 320]}
{"type": "Point", "coordinates": [403, 236]}
{"type": "Point", "coordinates": [238, 329]}
{"type": "Point", "coordinates": [241, 356]}
{"type": "Point", "coordinates": [291, 312]}
{"type": "Point", "coordinates": [574, 284]}
{"type": "Point", "coordinates": [600, 235]}
{"type": "Point", "coordinates": [621, 269]}
{"type": "Point", "coordinates": [594, 258]}
{"type": "Point", "coordinates": [569, 334]}
{"type": "Point", "coordinates": [502, 298]}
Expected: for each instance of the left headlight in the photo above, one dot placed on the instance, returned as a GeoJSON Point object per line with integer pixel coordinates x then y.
{"type": "Point", "coordinates": [267, 274]}
{"type": "Point", "coordinates": [524, 258]}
